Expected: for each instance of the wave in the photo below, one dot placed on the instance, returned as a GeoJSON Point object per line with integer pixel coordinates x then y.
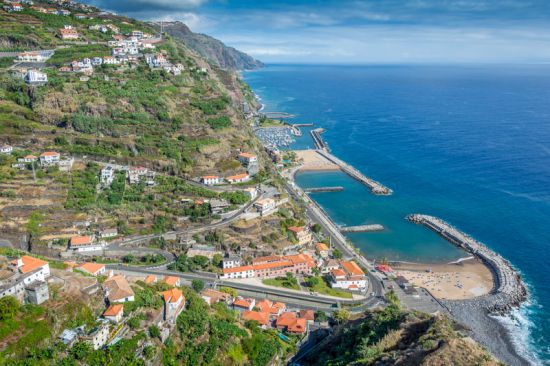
{"type": "Point", "coordinates": [519, 325]}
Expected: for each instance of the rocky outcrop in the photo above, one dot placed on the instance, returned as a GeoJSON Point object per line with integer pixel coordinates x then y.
{"type": "Point", "coordinates": [215, 51]}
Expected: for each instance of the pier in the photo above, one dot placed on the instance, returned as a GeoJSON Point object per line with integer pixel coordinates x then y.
{"type": "Point", "coordinates": [317, 140]}
{"type": "Point", "coordinates": [375, 187]}
{"type": "Point", "coordinates": [361, 228]}
{"type": "Point", "coordinates": [508, 290]}
{"type": "Point", "coordinates": [278, 115]}
{"type": "Point", "coordinates": [324, 189]}
{"type": "Point", "coordinates": [302, 124]}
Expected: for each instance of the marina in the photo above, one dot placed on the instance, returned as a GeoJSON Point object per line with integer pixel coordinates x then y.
{"type": "Point", "coordinates": [275, 137]}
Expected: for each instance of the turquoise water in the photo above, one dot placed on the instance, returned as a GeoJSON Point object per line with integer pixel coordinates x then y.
{"type": "Point", "coordinates": [468, 144]}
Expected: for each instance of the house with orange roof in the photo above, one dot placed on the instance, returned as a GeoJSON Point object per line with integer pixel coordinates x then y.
{"type": "Point", "coordinates": [259, 316]}
{"type": "Point", "coordinates": [85, 243]}
{"type": "Point", "coordinates": [265, 206]}
{"type": "Point", "coordinates": [68, 33]}
{"type": "Point", "coordinates": [95, 269]}
{"type": "Point", "coordinates": [308, 315]}
{"type": "Point", "coordinates": [285, 319]}
{"type": "Point", "coordinates": [210, 180]}
{"type": "Point", "coordinates": [247, 159]}
{"type": "Point", "coordinates": [28, 159]}
{"type": "Point", "coordinates": [349, 276]}
{"type": "Point", "coordinates": [28, 281]}
{"type": "Point", "coordinates": [212, 297]}
{"type": "Point", "coordinates": [114, 313]}
{"type": "Point", "coordinates": [238, 178]}
{"type": "Point", "coordinates": [244, 304]}
{"type": "Point", "coordinates": [298, 327]}
{"type": "Point", "coordinates": [322, 249]}
{"type": "Point", "coordinates": [50, 158]}
{"type": "Point", "coordinates": [238, 272]}
{"type": "Point", "coordinates": [150, 279]}
{"type": "Point", "coordinates": [289, 322]}
{"type": "Point", "coordinates": [302, 234]}
{"type": "Point", "coordinates": [174, 302]}
{"type": "Point", "coordinates": [117, 289]}
{"type": "Point", "coordinates": [171, 281]}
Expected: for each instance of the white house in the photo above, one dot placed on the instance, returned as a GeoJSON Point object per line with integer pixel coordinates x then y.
{"type": "Point", "coordinates": [28, 159]}
{"type": "Point", "coordinates": [251, 192]}
{"type": "Point", "coordinates": [231, 262]}
{"type": "Point", "coordinates": [238, 178]}
{"type": "Point", "coordinates": [350, 277]}
{"type": "Point", "coordinates": [174, 302]}
{"type": "Point", "coordinates": [95, 269]}
{"type": "Point", "coordinates": [238, 272]}
{"type": "Point", "coordinates": [211, 180]}
{"type": "Point", "coordinates": [247, 159]}
{"type": "Point", "coordinates": [35, 77]}
{"type": "Point", "coordinates": [117, 289]}
{"type": "Point", "coordinates": [85, 244]}
{"type": "Point", "coordinates": [108, 233]}
{"type": "Point", "coordinates": [98, 337]}
{"type": "Point", "coordinates": [135, 174]}
{"type": "Point", "coordinates": [32, 56]}
{"type": "Point", "coordinates": [114, 313]}
{"type": "Point", "coordinates": [110, 60]}
{"type": "Point", "coordinates": [6, 149]}
{"type": "Point", "coordinates": [49, 158]}
{"type": "Point", "coordinates": [107, 175]}
{"type": "Point", "coordinates": [265, 206]}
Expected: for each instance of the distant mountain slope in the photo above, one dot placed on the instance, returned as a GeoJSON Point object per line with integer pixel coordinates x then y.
{"type": "Point", "coordinates": [215, 51]}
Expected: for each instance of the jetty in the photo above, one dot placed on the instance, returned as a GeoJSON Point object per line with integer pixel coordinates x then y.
{"type": "Point", "coordinates": [375, 187]}
{"type": "Point", "coordinates": [278, 115]}
{"type": "Point", "coordinates": [317, 140]}
{"type": "Point", "coordinates": [508, 290]}
{"type": "Point", "coordinates": [324, 189]}
{"type": "Point", "coordinates": [361, 228]}
{"type": "Point", "coordinates": [303, 124]}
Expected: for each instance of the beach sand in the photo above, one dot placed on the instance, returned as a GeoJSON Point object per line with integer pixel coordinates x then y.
{"type": "Point", "coordinates": [311, 160]}
{"type": "Point", "coordinates": [465, 280]}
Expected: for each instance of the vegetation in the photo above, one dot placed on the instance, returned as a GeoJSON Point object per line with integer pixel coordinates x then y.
{"type": "Point", "coordinates": [321, 285]}
{"type": "Point", "coordinates": [287, 282]}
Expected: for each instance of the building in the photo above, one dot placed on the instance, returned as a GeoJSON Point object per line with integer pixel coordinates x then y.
{"type": "Point", "coordinates": [150, 279]}
{"type": "Point", "coordinates": [80, 16]}
{"type": "Point", "coordinates": [251, 192]}
{"type": "Point", "coordinates": [85, 243]}
{"type": "Point", "coordinates": [238, 272]}
{"type": "Point", "coordinates": [68, 33]}
{"type": "Point", "coordinates": [323, 250]}
{"type": "Point", "coordinates": [49, 158]}
{"type": "Point", "coordinates": [212, 297]}
{"type": "Point", "coordinates": [302, 234]}
{"type": "Point", "coordinates": [65, 165]}
{"type": "Point", "coordinates": [135, 174]}
{"type": "Point", "coordinates": [34, 56]}
{"type": "Point", "coordinates": [308, 315]}
{"type": "Point", "coordinates": [247, 159]}
{"type": "Point", "coordinates": [94, 269]}
{"type": "Point", "coordinates": [108, 233]}
{"type": "Point", "coordinates": [14, 7]}
{"type": "Point", "coordinates": [35, 77]}
{"type": "Point", "coordinates": [110, 60]}
{"type": "Point", "coordinates": [265, 206]}
{"type": "Point", "coordinates": [349, 277]}
{"type": "Point", "coordinates": [258, 316]}
{"type": "Point", "coordinates": [63, 12]}
{"type": "Point", "coordinates": [117, 289]}
{"type": "Point", "coordinates": [292, 324]}
{"type": "Point", "coordinates": [231, 261]}
{"type": "Point", "coordinates": [174, 302]}
{"type": "Point", "coordinates": [207, 251]}
{"type": "Point", "coordinates": [218, 206]}
{"type": "Point", "coordinates": [27, 271]}
{"type": "Point", "coordinates": [114, 313]}
{"type": "Point", "coordinates": [68, 337]}
{"type": "Point", "coordinates": [28, 159]}
{"type": "Point", "coordinates": [107, 175]}
{"type": "Point", "coordinates": [238, 178]}
{"type": "Point", "coordinates": [6, 149]}
{"type": "Point", "coordinates": [272, 266]}
{"type": "Point", "coordinates": [329, 265]}
{"type": "Point", "coordinates": [171, 281]}
{"type": "Point", "coordinates": [210, 180]}
{"type": "Point", "coordinates": [244, 304]}
{"type": "Point", "coordinates": [98, 337]}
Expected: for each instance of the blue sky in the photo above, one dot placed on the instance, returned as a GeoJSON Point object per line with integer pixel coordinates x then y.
{"type": "Point", "coordinates": [368, 31]}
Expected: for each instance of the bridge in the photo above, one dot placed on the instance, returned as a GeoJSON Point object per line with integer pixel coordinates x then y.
{"type": "Point", "coordinates": [361, 228]}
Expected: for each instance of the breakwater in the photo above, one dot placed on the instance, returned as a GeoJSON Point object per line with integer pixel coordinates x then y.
{"type": "Point", "coordinates": [317, 140]}
{"type": "Point", "coordinates": [324, 189]}
{"type": "Point", "coordinates": [361, 228]}
{"type": "Point", "coordinates": [375, 187]}
{"type": "Point", "coordinates": [508, 290]}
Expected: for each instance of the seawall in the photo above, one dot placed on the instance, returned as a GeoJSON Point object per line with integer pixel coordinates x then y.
{"type": "Point", "coordinates": [508, 290]}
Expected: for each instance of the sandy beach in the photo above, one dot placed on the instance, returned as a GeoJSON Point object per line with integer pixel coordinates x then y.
{"type": "Point", "coordinates": [311, 160]}
{"type": "Point", "coordinates": [465, 280]}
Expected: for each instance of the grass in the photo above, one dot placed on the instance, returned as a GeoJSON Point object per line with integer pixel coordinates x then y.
{"type": "Point", "coordinates": [280, 282]}
{"type": "Point", "coordinates": [323, 288]}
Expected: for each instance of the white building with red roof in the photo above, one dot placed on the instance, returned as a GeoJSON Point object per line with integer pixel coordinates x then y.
{"type": "Point", "coordinates": [247, 159]}
{"type": "Point", "coordinates": [50, 158]}
{"type": "Point", "coordinates": [85, 243]}
{"type": "Point", "coordinates": [210, 180]}
{"type": "Point", "coordinates": [349, 277]}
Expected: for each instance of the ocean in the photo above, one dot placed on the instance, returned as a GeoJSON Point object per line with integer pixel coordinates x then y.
{"type": "Point", "coordinates": [469, 144]}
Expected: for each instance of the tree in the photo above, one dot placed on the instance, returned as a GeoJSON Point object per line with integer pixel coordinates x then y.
{"type": "Point", "coordinates": [9, 306]}
{"type": "Point", "coordinates": [217, 260]}
{"type": "Point", "coordinates": [198, 285]}
{"type": "Point", "coordinates": [340, 316]}
{"type": "Point", "coordinates": [316, 228]}
{"type": "Point", "coordinates": [337, 254]}
{"type": "Point", "coordinates": [320, 316]}
{"type": "Point", "coordinates": [154, 331]}
{"type": "Point", "coordinates": [200, 261]}
{"type": "Point", "coordinates": [313, 281]}
{"type": "Point", "coordinates": [80, 350]}
{"type": "Point", "coordinates": [128, 258]}
{"type": "Point", "coordinates": [228, 290]}
{"type": "Point", "coordinates": [392, 298]}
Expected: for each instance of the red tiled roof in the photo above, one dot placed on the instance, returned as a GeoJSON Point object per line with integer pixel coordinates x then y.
{"type": "Point", "coordinates": [49, 153]}
{"type": "Point", "coordinates": [151, 279]}
{"type": "Point", "coordinates": [238, 176]}
{"type": "Point", "coordinates": [238, 269]}
{"type": "Point", "coordinates": [92, 268]}
{"type": "Point", "coordinates": [296, 229]}
{"type": "Point", "coordinates": [170, 280]}
{"type": "Point", "coordinates": [321, 247]}
{"type": "Point", "coordinates": [242, 303]}
{"type": "Point", "coordinates": [31, 263]}
{"type": "Point", "coordinates": [352, 268]}
{"type": "Point", "coordinates": [81, 240]}
{"type": "Point", "coordinates": [260, 317]}
{"type": "Point", "coordinates": [307, 314]}
{"type": "Point", "coordinates": [299, 326]}
{"type": "Point", "coordinates": [173, 295]}
{"type": "Point", "coordinates": [246, 155]}
{"type": "Point", "coordinates": [113, 310]}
